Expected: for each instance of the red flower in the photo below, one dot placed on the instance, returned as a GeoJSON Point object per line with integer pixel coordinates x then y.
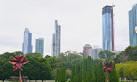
{"type": "Point", "coordinates": [18, 62]}
{"type": "Point", "coordinates": [108, 66]}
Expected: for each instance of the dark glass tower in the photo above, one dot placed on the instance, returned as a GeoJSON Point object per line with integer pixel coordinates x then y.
{"type": "Point", "coordinates": [108, 28]}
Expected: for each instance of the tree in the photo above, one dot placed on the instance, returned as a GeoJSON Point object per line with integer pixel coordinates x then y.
{"type": "Point", "coordinates": [84, 70]}
{"type": "Point", "coordinates": [113, 76]}
{"type": "Point", "coordinates": [120, 70]}
{"type": "Point", "coordinates": [130, 53]}
{"type": "Point", "coordinates": [99, 73]}
{"type": "Point", "coordinates": [90, 75]}
{"type": "Point", "coordinates": [72, 79]}
{"type": "Point", "coordinates": [106, 55]}
{"type": "Point", "coordinates": [38, 68]}
{"type": "Point", "coordinates": [127, 70]}
{"type": "Point", "coordinates": [78, 77]}
{"type": "Point", "coordinates": [61, 75]}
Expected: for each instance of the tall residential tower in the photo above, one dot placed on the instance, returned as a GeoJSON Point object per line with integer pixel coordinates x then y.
{"type": "Point", "coordinates": [27, 46]}
{"type": "Point", "coordinates": [108, 28]}
{"type": "Point", "coordinates": [39, 46]}
{"type": "Point", "coordinates": [132, 25]}
{"type": "Point", "coordinates": [56, 40]}
{"type": "Point", "coordinates": [86, 50]}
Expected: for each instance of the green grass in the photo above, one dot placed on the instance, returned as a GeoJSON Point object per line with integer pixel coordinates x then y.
{"type": "Point", "coordinates": [128, 81]}
{"type": "Point", "coordinates": [30, 81]}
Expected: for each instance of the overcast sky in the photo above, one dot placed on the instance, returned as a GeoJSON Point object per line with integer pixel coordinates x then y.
{"type": "Point", "coordinates": [80, 20]}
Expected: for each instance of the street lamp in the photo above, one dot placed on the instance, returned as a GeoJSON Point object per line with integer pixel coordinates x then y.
{"type": "Point", "coordinates": [136, 28]}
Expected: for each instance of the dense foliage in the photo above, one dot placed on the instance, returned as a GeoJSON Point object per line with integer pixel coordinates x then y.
{"type": "Point", "coordinates": [130, 53]}
{"type": "Point", "coordinates": [108, 55]}
{"type": "Point", "coordinates": [61, 75]}
{"type": "Point", "coordinates": [89, 70]}
{"type": "Point", "coordinates": [127, 70]}
{"type": "Point", "coordinates": [71, 65]}
{"type": "Point", "coordinates": [38, 68]}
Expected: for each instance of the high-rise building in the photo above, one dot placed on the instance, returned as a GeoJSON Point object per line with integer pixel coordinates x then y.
{"type": "Point", "coordinates": [39, 46]}
{"type": "Point", "coordinates": [27, 46]}
{"type": "Point", "coordinates": [108, 28]}
{"type": "Point", "coordinates": [56, 40]}
{"type": "Point", "coordinates": [132, 25]}
{"type": "Point", "coordinates": [95, 53]}
{"type": "Point", "coordinates": [86, 50]}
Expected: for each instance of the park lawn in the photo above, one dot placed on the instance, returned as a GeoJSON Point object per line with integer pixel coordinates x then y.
{"type": "Point", "coordinates": [128, 81]}
{"type": "Point", "coordinates": [30, 81]}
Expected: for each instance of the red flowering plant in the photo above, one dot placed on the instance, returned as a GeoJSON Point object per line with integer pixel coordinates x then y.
{"type": "Point", "coordinates": [18, 62]}
{"type": "Point", "coordinates": [108, 67]}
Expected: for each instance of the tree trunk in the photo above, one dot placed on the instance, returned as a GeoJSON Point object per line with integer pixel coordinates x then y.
{"type": "Point", "coordinates": [20, 75]}
{"type": "Point", "coordinates": [107, 77]}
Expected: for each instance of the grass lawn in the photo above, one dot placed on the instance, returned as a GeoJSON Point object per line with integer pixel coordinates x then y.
{"type": "Point", "coordinates": [128, 81]}
{"type": "Point", "coordinates": [31, 81]}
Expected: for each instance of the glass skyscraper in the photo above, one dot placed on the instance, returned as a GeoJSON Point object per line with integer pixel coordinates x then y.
{"type": "Point", "coordinates": [132, 25]}
{"type": "Point", "coordinates": [26, 46]}
{"type": "Point", "coordinates": [39, 46]}
{"type": "Point", "coordinates": [108, 28]}
{"type": "Point", "coordinates": [56, 40]}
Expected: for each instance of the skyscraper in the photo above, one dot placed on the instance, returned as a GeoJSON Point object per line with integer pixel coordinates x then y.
{"type": "Point", "coordinates": [132, 25]}
{"type": "Point", "coordinates": [27, 47]}
{"type": "Point", "coordinates": [108, 28]}
{"type": "Point", "coordinates": [86, 50]}
{"type": "Point", "coordinates": [56, 40]}
{"type": "Point", "coordinates": [39, 46]}
{"type": "Point", "coordinates": [95, 53]}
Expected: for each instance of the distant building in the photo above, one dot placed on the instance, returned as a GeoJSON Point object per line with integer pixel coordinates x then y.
{"type": "Point", "coordinates": [39, 46]}
{"type": "Point", "coordinates": [116, 53]}
{"type": "Point", "coordinates": [132, 25]}
{"type": "Point", "coordinates": [56, 40]}
{"type": "Point", "coordinates": [27, 46]}
{"type": "Point", "coordinates": [108, 28]}
{"type": "Point", "coordinates": [95, 53]}
{"type": "Point", "coordinates": [86, 50]}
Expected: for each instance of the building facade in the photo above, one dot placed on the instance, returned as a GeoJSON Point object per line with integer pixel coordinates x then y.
{"type": "Point", "coordinates": [56, 40]}
{"type": "Point", "coordinates": [87, 48]}
{"type": "Point", "coordinates": [27, 46]}
{"type": "Point", "coordinates": [95, 53]}
{"type": "Point", "coordinates": [132, 25]}
{"type": "Point", "coordinates": [108, 28]}
{"type": "Point", "coordinates": [39, 46]}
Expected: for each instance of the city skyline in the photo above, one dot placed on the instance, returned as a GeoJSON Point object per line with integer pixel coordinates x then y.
{"type": "Point", "coordinates": [81, 22]}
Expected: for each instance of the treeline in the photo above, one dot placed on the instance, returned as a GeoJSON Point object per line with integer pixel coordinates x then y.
{"type": "Point", "coordinates": [89, 70]}
{"type": "Point", "coordinates": [126, 62]}
{"type": "Point", "coordinates": [127, 70]}
{"type": "Point", "coordinates": [38, 68]}
{"type": "Point", "coordinates": [129, 54]}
